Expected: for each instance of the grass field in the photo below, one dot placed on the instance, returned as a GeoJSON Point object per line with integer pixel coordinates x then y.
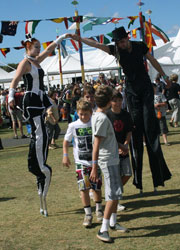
{"type": "Point", "coordinates": [153, 219]}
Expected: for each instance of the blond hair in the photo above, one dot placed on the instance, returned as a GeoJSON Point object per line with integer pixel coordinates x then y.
{"type": "Point", "coordinates": [83, 105]}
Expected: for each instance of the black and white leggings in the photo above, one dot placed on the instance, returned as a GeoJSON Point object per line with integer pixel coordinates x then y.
{"type": "Point", "coordinates": [38, 151]}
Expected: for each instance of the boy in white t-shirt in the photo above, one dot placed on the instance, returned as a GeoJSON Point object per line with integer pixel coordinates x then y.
{"type": "Point", "coordinates": [81, 131]}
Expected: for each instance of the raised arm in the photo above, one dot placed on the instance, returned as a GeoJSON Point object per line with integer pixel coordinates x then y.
{"type": "Point", "coordinates": [90, 42]}
{"type": "Point", "coordinates": [50, 48]}
{"type": "Point", "coordinates": [157, 66]}
{"type": "Point", "coordinates": [23, 68]}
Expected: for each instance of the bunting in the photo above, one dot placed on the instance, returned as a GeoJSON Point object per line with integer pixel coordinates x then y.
{"type": "Point", "coordinates": [63, 49]}
{"type": "Point", "coordinates": [75, 44]}
{"type": "Point", "coordinates": [102, 39]}
{"type": "Point", "coordinates": [158, 32]}
{"type": "Point", "coordinates": [9, 28]}
{"type": "Point", "coordinates": [148, 37]}
{"type": "Point", "coordinates": [45, 45]}
{"type": "Point", "coordinates": [134, 33]}
{"type": "Point", "coordinates": [31, 26]}
{"type": "Point", "coordinates": [4, 51]}
{"type": "Point", "coordinates": [132, 19]}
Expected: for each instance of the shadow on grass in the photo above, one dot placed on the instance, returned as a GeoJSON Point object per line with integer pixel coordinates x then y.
{"type": "Point", "coordinates": [133, 205]}
{"type": "Point", "coordinates": [158, 230]}
{"type": "Point", "coordinates": [174, 142]}
{"type": "Point", "coordinates": [150, 214]}
{"type": "Point", "coordinates": [77, 211]}
{"type": "Point", "coordinates": [148, 194]}
{"type": "Point", "coordinates": [6, 198]}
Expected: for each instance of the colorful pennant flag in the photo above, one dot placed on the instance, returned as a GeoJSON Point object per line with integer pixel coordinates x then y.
{"type": "Point", "coordinates": [142, 26]}
{"type": "Point", "coordinates": [4, 51]}
{"type": "Point", "coordinates": [102, 39]}
{"type": "Point", "coordinates": [148, 37]}
{"type": "Point", "coordinates": [134, 33]}
{"type": "Point", "coordinates": [63, 49]}
{"type": "Point", "coordinates": [57, 20]}
{"type": "Point", "coordinates": [132, 19]}
{"type": "Point", "coordinates": [158, 32]}
{"type": "Point", "coordinates": [9, 28]}
{"type": "Point", "coordinates": [31, 26]}
{"type": "Point", "coordinates": [116, 20]}
{"type": "Point", "coordinates": [45, 46]}
{"type": "Point", "coordinates": [75, 44]}
{"type": "Point", "coordinates": [76, 19]}
{"type": "Point", "coordinates": [17, 48]}
{"type": "Point", "coordinates": [66, 22]}
{"type": "Point", "coordinates": [87, 26]}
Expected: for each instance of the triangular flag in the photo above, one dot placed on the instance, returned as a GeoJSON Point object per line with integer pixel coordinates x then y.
{"type": "Point", "coordinates": [4, 51]}
{"type": "Point", "coordinates": [134, 34]}
{"type": "Point", "coordinates": [21, 47]}
{"type": "Point", "coordinates": [45, 46]}
{"type": "Point", "coordinates": [57, 20]}
{"type": "Point", "coordinates": [66, 22]}
{"type": "Point", "coordinates": [158, 32]}
{"type": "Point", "coordinates": [75, 44]}
{"type": "Point", "coordinates": [110, 34]}
{"type": "Point", "coordinates": [63, 49]}
{"type": "Point", "coordinates": [132, 19]}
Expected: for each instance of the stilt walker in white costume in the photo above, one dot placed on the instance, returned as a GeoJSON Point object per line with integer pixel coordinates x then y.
{"type": "Point", "coordinates": [35, 103]}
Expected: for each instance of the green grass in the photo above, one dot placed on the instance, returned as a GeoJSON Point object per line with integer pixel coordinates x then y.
{"type": "Point", "coordinates": [153, 220]}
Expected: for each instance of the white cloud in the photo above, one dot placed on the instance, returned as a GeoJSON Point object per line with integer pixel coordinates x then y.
{"type": "Point", "coordinates": [116, 14]}
{"type": "Point", "coordinates": [175, 28]}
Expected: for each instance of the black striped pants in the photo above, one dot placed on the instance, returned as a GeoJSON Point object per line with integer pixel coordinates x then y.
{"type": "Point", "coordinates": [38, 152]}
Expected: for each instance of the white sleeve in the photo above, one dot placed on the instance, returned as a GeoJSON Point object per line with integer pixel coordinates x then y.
{"type": "Point", "coordinates": [69, 133]}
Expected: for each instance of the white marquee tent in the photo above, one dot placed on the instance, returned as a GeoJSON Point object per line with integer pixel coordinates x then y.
{"type": "Point", "coordinates": [168, 55]}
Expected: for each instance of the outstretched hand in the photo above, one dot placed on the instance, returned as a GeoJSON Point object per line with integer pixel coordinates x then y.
{"type": "Point", "coordinates": [73, 36]}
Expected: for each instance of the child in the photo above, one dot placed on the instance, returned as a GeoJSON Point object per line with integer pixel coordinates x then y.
{"type": "Point", "coordinates": [122, 125]}
{"type": "Point", "coordinates": [52, 119]}
{"type": "Point", "coordinates": [88, 95]}
{"type": "Point", "coordinates": [160, 104]}
{"type": "Point", "coordinates": [105, 155]}
{"type": "Point", "coordinates": [81, 131]}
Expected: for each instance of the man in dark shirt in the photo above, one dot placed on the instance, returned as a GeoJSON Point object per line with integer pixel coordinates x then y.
{"type": "Point", "coordinates": [172, 95]}
{"type": "Point", "coordinates": [140, 99]}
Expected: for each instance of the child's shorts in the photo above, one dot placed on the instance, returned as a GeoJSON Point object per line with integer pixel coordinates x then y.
{"type": "Point", "coordinates": [112, 182]}
{"type": "Point", "coordinates": [125, 167]}
{"type": "Point", "coordinates": [163, 125]}
{"type": "Point", "coordinates": [83, 174]}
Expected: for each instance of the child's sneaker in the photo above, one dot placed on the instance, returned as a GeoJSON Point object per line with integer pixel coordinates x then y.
{"type": "Point", "coordinates": [120, 208]}
{"type": "Point", "coordinates": [87, 221]}
{"type": "Point", "coordinates": [119, 228]}
{"type": "Point", "coordinates": [104, 236]}
{"type": "Point", "coordinates": [99, 216]}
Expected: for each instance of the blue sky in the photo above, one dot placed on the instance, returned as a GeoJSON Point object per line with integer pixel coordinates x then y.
{"type": "Point", "coordinates": [165, 14]}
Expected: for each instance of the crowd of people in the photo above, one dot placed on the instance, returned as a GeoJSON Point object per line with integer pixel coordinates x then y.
{"type": "Point", "coordinates": [106, 120]}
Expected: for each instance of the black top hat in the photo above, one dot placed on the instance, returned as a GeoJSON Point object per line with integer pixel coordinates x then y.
{"type": "Point", "coordinates": [119, 34]}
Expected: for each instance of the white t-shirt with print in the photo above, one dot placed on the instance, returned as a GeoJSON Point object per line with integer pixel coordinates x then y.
{"type": "Point", "coordinates": [82, 146]}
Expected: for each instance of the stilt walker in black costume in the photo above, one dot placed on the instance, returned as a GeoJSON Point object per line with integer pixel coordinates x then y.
{"type": "Point", "coordinates": [35, 103]}
{"type": "Point", "coordinates": [140, 99]}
